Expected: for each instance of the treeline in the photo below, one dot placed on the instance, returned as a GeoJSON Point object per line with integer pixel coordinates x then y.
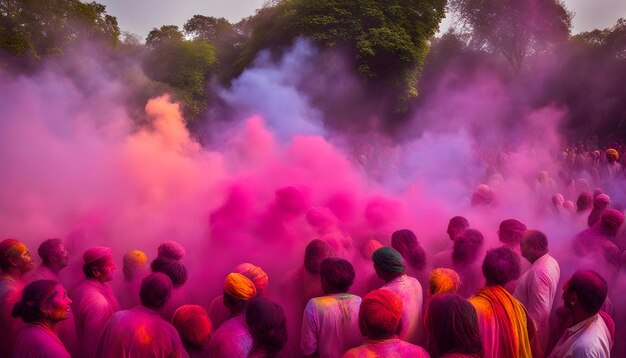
{"type": "Point", "coordinates": [389, 47]}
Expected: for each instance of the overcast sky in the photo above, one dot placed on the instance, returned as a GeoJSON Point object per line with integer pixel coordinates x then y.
{"type": "Point", "coordinates": [140, 16]}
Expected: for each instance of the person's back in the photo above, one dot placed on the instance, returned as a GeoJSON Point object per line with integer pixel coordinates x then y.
{"type": "Point", "coordinates": [139, 332]}
{"type": "Point", "coordinates": [389, 266]}
{"type": "Point", "coordinates": [388, 348]}
{"type": "Point", "coordinates": [504, 325]}
{"type": "Point", "coordinates": [379, 316]}
{"type": "Point", "coordinates": [410, 292]}
{"type": "Point", "coordinates": [330, 322]}
{"type": "Point", "coordinates": [231, 339]}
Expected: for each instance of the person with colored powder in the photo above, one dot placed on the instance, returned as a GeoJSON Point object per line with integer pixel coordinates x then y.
{"type": "Point", "coordinates": [597, 243]}
{"type": "Point", "coordinates": [466, 254]}
{"type": "Point", "coordinates": [613, 168]}
{"type": "Point", "coordinates": [587, 334]}
{"type": "Point", "coordinates": [15, 262]}
{"type": "Point", "coordinates": [54, 258]}
{"type": "Point", "coordinates": [135, 268]}
{"type": "Point", "coordinates": [389, 267]}
{"type": "Point", "coordinates": [218, 312]}
{"type": "Point", "coordinates": [298, 286]}
{"type": "Point", "coordinates": [141, 331]}
{"type": "Point", "coordinates": [379, 317]}
{"type": "Point", "coordinates": [94, 299]}
{"type": "Point", "coordinates": [329, 322]}
{"type": "Point", "coordinates": [366, 279]}
{"type": "Point", "coordinates": [268, 328]}
{"type": "Point", "coordinates": [584, 205]}
{"type": "Point", "coordinates": [177, 272]}
{"type": "Point", "coordinates": [413, 254]}
{"type": "Point", "coordinates": [232, 338]}
{"type": "Point", "coordinates": [537, 287]}
{"type": "Point", "coordinates": [194, 326]}
{"type": "Point", "coordinates": [452, 327]}
{"type": "Point", "coordinates": [505, 327]}
{"type": "Point", "coordinates": [510, 233]}
{"type": "Point", "coordinates": [169, 261]}
{"type": "Point", "coordinates": [600, 203]}
{"type": "Point", "coordinates": [456, 226]}
{"type": "Point", "coordinates": [44, 303]}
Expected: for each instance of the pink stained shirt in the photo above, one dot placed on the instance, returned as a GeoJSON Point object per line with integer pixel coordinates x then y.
{"type": "Point", "coordinates": [410, 292]}
{"type": "Point", "coordinates": [388, 348]}
{"type": "Point", "coordinates": [10, 293]}
{"type": "Point", "coordinates": [232, 339]}
{"type": "Point", "coordinates": [38, 341]}
{"type": "Point", "coordinates": [140, 332]}
{"type": "Point", "coordinates": [94, 303]}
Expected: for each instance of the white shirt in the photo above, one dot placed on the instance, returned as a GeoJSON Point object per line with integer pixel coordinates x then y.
{"type": "Point", "coordinates": [589, 338]}
{"type": "Point", "coordinates": [536, 288]}
{"type": "Point", "coordinates": [330, 325]}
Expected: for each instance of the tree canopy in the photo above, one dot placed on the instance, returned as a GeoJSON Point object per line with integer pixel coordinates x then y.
{"type": "Point", "coordinates": [184, 65]}
{"type": "Point", "coordinates": [386, 39]}
{"type": "Point", "coordinates": [515, 28]}
{"type": "Point", "coordinates": [33, 29]}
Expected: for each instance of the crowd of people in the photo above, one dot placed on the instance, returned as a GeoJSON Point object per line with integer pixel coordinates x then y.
{"type": "Point", "coordinates": [517, 298]}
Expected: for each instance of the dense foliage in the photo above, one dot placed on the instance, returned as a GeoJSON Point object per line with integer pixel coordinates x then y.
{"type": "Point", "coordinates": [387, 40]}
{"type": "Point", "coordinates": [383, 52]}
{"type": "Point", "coordinates": [515, 28]}
{"type": "Point", "coordinates": [34, 29]}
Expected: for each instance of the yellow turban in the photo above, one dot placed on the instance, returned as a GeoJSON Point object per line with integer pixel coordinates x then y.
{"type": "Point", "coordinates": [613, 153]}
{"type": "Point", "coordinates": [443, 280]}
{"type": "Point", "coordinates": [239, 286]}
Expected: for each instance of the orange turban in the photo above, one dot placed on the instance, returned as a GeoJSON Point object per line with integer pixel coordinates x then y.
{"type": "Point", "coordinates": [443, 280]}
{"type": "Point", "coordinates": [612, 152]}
{"type": "Point", "coordinates": [239, 286]}
{"type": "Point", "coordinates": [369, 247]}
{"type": "Point", "coordinates": [258, 277]}
{"type": "Point", "coordinates": [380, 310]}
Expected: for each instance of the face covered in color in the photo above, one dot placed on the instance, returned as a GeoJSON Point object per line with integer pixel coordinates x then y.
{"type": "Point", "coordinates": [62, 256]}
{"type": "Point", "coordinates": [58, 306]}
{"type": "Point", "coordinates": [24, 260]}
{"type": "Point", "coordinates": [106, 270]}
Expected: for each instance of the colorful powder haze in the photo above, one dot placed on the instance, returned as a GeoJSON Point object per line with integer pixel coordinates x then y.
{"type": "Point", "coordinates": [75, 165]}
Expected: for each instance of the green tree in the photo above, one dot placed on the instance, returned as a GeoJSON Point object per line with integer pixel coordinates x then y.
{"type": "Point", "coordinates": [33, 29]}
{"type": "Point", "coordinates": [515, 29]}
{"type": "Point", "coordinates": [387, 40]}
{"type": "Point", "coordinates": [226, 38]}
{"type": "Point", "coordinates": [185, 66]}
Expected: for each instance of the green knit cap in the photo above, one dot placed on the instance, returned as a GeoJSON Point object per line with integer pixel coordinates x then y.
{"type": "Point", "coordinates": [388, 259]}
